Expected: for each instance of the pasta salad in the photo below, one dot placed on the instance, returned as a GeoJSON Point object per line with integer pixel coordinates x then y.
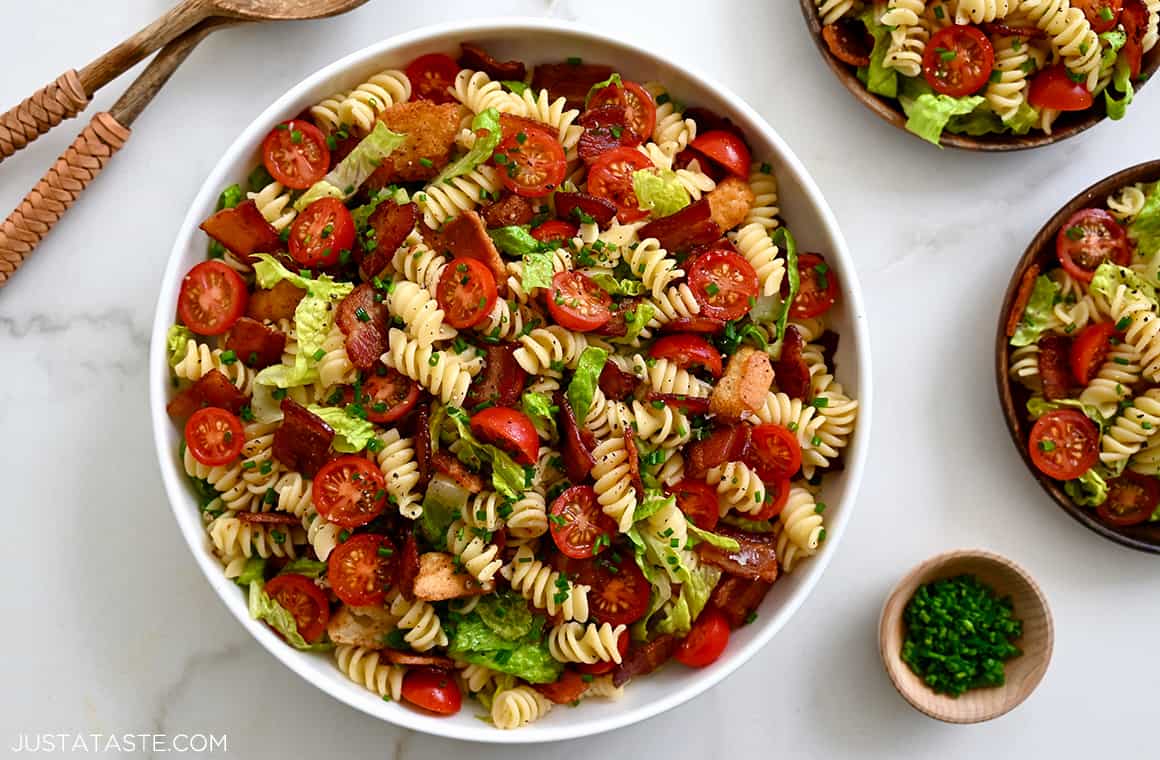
{"type": "Point", "coordinates": [979, 67]}
{"type": "Point", "coordinates": [508, 383]}
{"type": "Point", "coordinates": [1084, 345]}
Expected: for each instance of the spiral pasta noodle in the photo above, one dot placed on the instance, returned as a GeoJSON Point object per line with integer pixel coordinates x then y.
{"type": "Point", "coordinates": [800, 528]}
{"type": "Point", "coordinates": [614, 490]}
{"type": "Point", "coordinates": [335, 367]}
{"type": "Point", "coordinates": [1147, 460]}
{"type": "Point", "coordinates": [602, 687]}
{"type": "Point", "coordinates": [529, 516]}
{"type": "Point", "coordinates": [1126, 203]}
{"type": "Point", "coordinates": [1007, 90]}
{"type": "Point", "coordinates": [1071, 35]}
{"type": "Point", "coordinates": [691, 177]}
{"type": "Point", "coordinates": [485, 510]}
{"type": "Point", "coordinates": [977, 11]}
{"type": "Point", "coordinates": [418, 263]}
{"type": "Point", "coordinates": [907, 45]}
{"type": "Point", "coordinates": [367, 668]}
{"type": "Point", "coordinates": [557, 115]}
{"type": "Point", "coordinates": [738, 488]}
{"type": "Point", "coordinates": [476, 678]}
{"type": "Point", "coordinates": [294, 494]}
{"type": "Point", "coordinates": [546, 588]}
{"type": "Point", "coordinates": [1143, 329]}
{"type": "Point", "coordinates": [479, 558]}
{"type": "Point", "coordinates": [1113, 382]}
{"type": "Point", "coordinates": [755, 244]}
{"type": "Point", "coordinates": [832, 10]}
{"type": "Point", "coordinates": [418, 619]}
{"type": "Point", "coordinates": [673, 132]}
{"type": "Point", "coordinates": [575, 642]}
{"type": "Point", "coordinates": [225, 479]}
{"type": "Point", "coordinates": [273, 201]}
{"type": "Point", "coordinates": [663, 376]}
{"type": "Point", "coordinates": [321, 534]}
{"type": "Point", "coordinates": [676, 302]}
{"type": "Point", "coordinates": [232, 537]}
{"type": "Point", "coordinates": [517, 707]}
{"type": "Point", "coordinates": [396, 458]}
{"type": "Point", "coordinates": [478, 92]}
{"type": "Point", "coordinates": [364, 103]}
{"type": "Point", "coordinates": [1135, 426]}
{"type": "Point", "coordinates": [660, 424]}
{"type": "Point", "coordinates": [550, 350]}
{"type": "Point", "coordinates": [672, 470]}
{"type": "Point", "coordinates": [508, 321]}
{"type": "Point", "coordinates": [419, 312]}
{"type": "Point", "coordinates": [1152, 32]}
{"type": "Point", "coordinates": [325, 112]}
{"type": "Point", "coordinates": [441, 202]}
{"type": "Point", "coordinates": [200, 359]}
{"type": "Point", "coordinates": [440, 372]}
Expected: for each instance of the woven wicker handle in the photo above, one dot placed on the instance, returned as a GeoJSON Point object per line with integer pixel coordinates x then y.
{"type": "Point", "coordinates": [42, 208]}
{"type": "Point", "coordinates": [52, 104]}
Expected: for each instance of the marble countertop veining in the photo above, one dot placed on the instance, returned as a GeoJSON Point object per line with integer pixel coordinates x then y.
{"type": "Point", "coordinates": [111, 628]}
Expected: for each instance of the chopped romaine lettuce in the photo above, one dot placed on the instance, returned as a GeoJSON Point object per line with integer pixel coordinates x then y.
{"type": "Point", "coordinates": [636, 319]}
{"type": "Point", "coordinates": [351, 432]}
{"type": "Point", "coordinates": [617, 287]}
{"type": "Point", "coordinates": [537, 271]}
{"type": "Point", "coordinates": [176, 343]}
{"type": "Point", "coordinates": [651, 502]}
{"type": "Point", "coordinates": [879, 79]}
{"type": "Point", "coordinates": [1037, 406]}
{"type": "Point", "coordinates": [264, 607]}
{"type": "Point", "coordinates": [515, 241]}
{"type": "Point", "coordinates": [488, 133]}
{"type": "Point", "coordinates": [444, 501]}
{"type": "Point", "coordinates": [713, 539]}
{"type": "Point", "coordinates": [1109, 277]}
{"type": "Point", "coordinates": [659, 191]}
{"type": "Point", "coordinates": [348, 175]}
{"type": "Point", "coordinates": [1145, 228]}
{"type": "Point", "coordinates": [1037, 315]}
{"type": "Point", "coordinates": [253, 570]}
{"type": "Point", "coordinates": [538, 407]}
{"type": "Point", "coordinates": [506, 613]}
{"type": "Point", "coordinates": [507, 477]}
{"type": "Point", "coordinates": [928, 113]}
{"type": "Point", "coordinates": [519, 88]}
{"type": "Point", "coordinates": [585, 379]}
{"type": "Point", "coordinates": [527, 657]}
{"type": "Point", "coordinates": [682, 612]}
{"type": "Point", "coordinates": [302, 566]}
{"type": "Point", "coordinates": [1088, 490]}
{"type": "Point", "coordinates": [611, 81]}
{"type": "Point", "coordinates": [785, 240]}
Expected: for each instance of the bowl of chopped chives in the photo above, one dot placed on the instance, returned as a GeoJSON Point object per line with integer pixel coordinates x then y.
{"type": "Point", "coordinates": [966, 636]}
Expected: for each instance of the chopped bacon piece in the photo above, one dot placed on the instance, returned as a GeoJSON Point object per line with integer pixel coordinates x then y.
{"type": "Point", "coordinates": [744, 386]}
{"type": "Point", "coordinates": [687, 404]}
{"type": "Point", "coordinates": [423, 445]}
{"type": "Point", "coordinates": [276, 304]}
{"type": "Point", "coordinates": [255, 344]}
{"type": "Point", "coordinates": [849, 41]}
{"type": "Point", "coordinates": [578, 207]}
{"type": "Point", "coordinates": [727, 444]}
{"type": "Point", "coordinates": [578, 442]}
{"type": "Point", "coordinates": [215, 389]}
{"type": "Point", "coordinates": [303, 441]}
{"type": "Point", "coordinates": [409, 566]}
{"type": "Point", "coordinates": [605, 128]}
{"type": "Point", "coordinates": [182, 406]}
{"type": "Point", "coordinates": [510, 210]}
{"type": "Point", "coordinates": [502, 380]}
{"type": "Point", "coordinates": [999, 29]}
{"type": "Point", "coordinates": [476, 58]}
{"type": "Point", "coordinates": [633, 460]}
{"type": "Point", "coordinates": [643, 659]}
{"type": "Point", "coordinates": [1054, 366]}
{"type": "Point", "coordinates": [447, 464]}
{"type": "Point", "coordinates": [755, 560]}
{"type": "Point", "coordinates": [466, 235]}
{"type": "Point", "coordinates": [616, 383]}
{"type": "Point", "coordinates": [397, 657]}
{"type": "Point", "coordinates": [829, 343]}
{"type": "Point", "coordinates": [388, 226]}
{"type": "Point", "coordinates": [791, 373]}
{"type": "Point", "coordinates": [243, 230]}
{"type": "Point", "coordinates": [570, 81]}
{"type": "Point", "coordinates": [568, 688]}
{"type": "Point", "coordinates": [364, 321]}
{"type": "Point", "coordinates": [708, 121]}
{"type": "Point", "coordinates": [738, 598]}
{"type": "Point", "coordinates": [691, 226]}
{"type": "Point", "coordinates": [1026, 285]}
{"type": "Point", "coordinates": [268, 518]}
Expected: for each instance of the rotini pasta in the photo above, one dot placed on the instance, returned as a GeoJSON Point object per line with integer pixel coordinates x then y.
{"type": "Point", "coordinates": [515, 708]}
{"type": "Point", "coordinates": [800, 530]}
{"type": "Point", "coordinates": [546, 588]}
{"type": "Point", "coordinates": [614, 489]}
{"type": "Point", "coordinates": [367, 668]}
{"type": "Point", "coordinates": [440, 372]}
{"type": "Point", "coordinates": [364, 103]}
{"type": "Point", "coordinates": [575, 642]}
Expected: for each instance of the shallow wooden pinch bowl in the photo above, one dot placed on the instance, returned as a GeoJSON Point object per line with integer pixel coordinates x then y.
{"type": "Point", "coordinates": [1013, 396]}
{"type": "Point", "coordinates": [1023, 673]}
{"type": "Point", "coordinates": [1068, 125]}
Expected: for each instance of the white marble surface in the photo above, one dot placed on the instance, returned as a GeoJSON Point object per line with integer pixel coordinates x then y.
{"type": "Point", "coordinates": [110, 627]}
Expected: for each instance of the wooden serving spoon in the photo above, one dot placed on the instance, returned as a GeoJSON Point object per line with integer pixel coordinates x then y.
{"type": "Point", "coordinates": [70, 93]}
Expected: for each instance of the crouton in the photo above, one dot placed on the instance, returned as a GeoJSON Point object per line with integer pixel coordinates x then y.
{"type": "Point", "coordinates": [439, 579]}
{"type": "Point", "coordinates": [730, 202]}
{"type": "Point", "coordinates": [743, 388]}
{"type": "Point", "coordinates": [361, 626]}
{"type": "Point", "coordinates": [430, 131]}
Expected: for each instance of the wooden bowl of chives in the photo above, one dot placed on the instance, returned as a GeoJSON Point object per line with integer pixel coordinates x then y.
{"type": "Point", "coordinates": [1022, 673]}
{"type": "Point", "coordinates": [1068, 124]}
{"type": "Point", "coordinates": [1013, 396]}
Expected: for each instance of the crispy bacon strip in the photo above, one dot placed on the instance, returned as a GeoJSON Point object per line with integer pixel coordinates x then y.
{"type": "Point", "coordinates": [275, 304]}
{"type": "Point", "coordinates": [1026, 285]}
{"type": "Point", "coordinates": [476, 58]}
{"type": "Point", "coordinates": [1054, 367]}
{"type": "Point", "coordinates": [578, 442]}
{"type": "Point", "coordinates": [691, 226]}
{"type": "Point", "coordinates": [849, 41]}
{"type": "Point", "coordinates": [466, 235]}
{"type": "Point", "coordinates": [502, 380]}
{"type": "Point", "coordinates": [447, 464]}
{"type": "Point", "coordinates": [255, 344]}
{"type": "Point", "coordinates": [738, 598]}
{"type": "Point", "coordinates": [643, 659]}
{"type": "Point", "coordinates": [388, 226]}
{"type": "Point", "coordinates": [755, 560]}
{"type": "Point", "coordinates": [728, 443]}
{"type": "Point", "coordinates": [570, 81]}
{"type": "Point", "coordinates": [303, 441]}
{"type": "Point", "coordinates": [575, 207]}
{"type": "Point", "coordinates": [409, 566]}
{"type": "Point", "coordinates": [999, 29]}
{"type": "Point", "coordinates": [510, 210]}
{"type": "Point", "coordinates": [243, 230]}
{"type": "Point", "coordinates": [268, 518]}
{"type": "Point", "coordinates": [617, 384]}
{"type": "Point", "coordinates": [396, 657]}
{"type": "Point", "coordinates": [605, 128]}
{"type": "Point", "coordinates": [791, 373]}
{"type": "Point", "coordinates": [364, 321]}
{"type": "Point", "coordinates": [212, 389]}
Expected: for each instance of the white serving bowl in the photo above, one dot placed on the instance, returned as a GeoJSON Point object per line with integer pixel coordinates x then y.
{"type": "Point", "coordinates": [803, 208]}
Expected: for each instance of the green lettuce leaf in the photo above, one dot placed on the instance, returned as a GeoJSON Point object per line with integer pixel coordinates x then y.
{"type": "Point", "coordinates": [176, 343]}
{"type": "Point", "coordinates": [288, 375]}
{"type": "Point", "coordinates": [1037, 406]}
{"type": "Point", "coordinates": [1109, 277]}
{"type": "Point", "coordinates": [636, 319]}
{"type": "Point", "coordinates": [351, 433]}
{"type": "Point", "coordinates": [486, 127]}
{"type": "Point", "coordinates": [506, 613]}
{"type": "Point", "coordinates": [269, 272]}
{"type": "Point", "coordinates": [653, 501]}
{"type": "Point", "coordinates": [1037, 315]}
{"type": "Point", "coordinates": [263, 607]}
{"type": "Point", "coordinates": [348, 175]}
{"type": "Point", "coordinates": [879, 79]}
{"type": "Point", "coordinates": [751, 526]}
{"type": "Point", "coordinates": [928, 113]}
{"type": "Point", "coordinates": [585, 379]}
{"type": "Point", "coordinates": [253, 571]}
{"type": "Point", "coordinates": [444, 501]}
{"type": "Point", "coordinates": [694, 595]}
{"type": "Point", "coordinates": [660, 191]}
{"type": "Point", "coordinates": [507, 477]}
{"type": "Point", "coordinates": [537, 272]}
{"type": "Point", "coordinates": [617, 287]}
{"type": "Point", "coordinates": [362, 214]}
{"type": "Point", "coordinates": [527, 657]}
{"type": "Point", "coordinates": [303, 566]}
{"type": "Point", "coordinates": [1145, 228]}
{"type": "Point", "coordinates": [519, 88]}
{"type": "Point", "coordinates": [538, 407]}
{"type": "Point", "coordinates": [713, 539]}
{"type": "Point", "coordinates": [1088, 490]}
{"type": "Point", "coordinates": [515, 241]}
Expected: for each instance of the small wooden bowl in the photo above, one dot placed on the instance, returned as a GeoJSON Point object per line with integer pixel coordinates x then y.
{"type": "Point", "coordinates": [1013, 396]}
{"type": "Point", "coordinates": [1023, 673]}
{"type": "Point", "coordinates": [1068, 125]}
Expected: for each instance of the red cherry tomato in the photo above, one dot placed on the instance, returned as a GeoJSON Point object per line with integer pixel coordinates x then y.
{"type": "Point", "coordinates": [610, 178]}
{"type": "Point", "coordinates": [531, 163]}
{"type": "Point", "coordinates": [1064, 444]}
{"type": "Point", "coordinates": [958, 60]}
{"type": "Point", "coordinates": [578, 523]}
{"type": "Point", "coordinates": [776, 496]}
{"type": "Point", "coordinates": [431, 75]}
{"type": "Point", "coordinates": [466, 292]}
{"type": "Point", "coordinates": [774, 452]}
{"type": "Point", "coordinates": [508, 429]}
{"type": "Point", "coordinates": [575, 301]}
{"type": "Point", "coordinates": [706, 641]}
{"type": "Point", "coordinates": [214, 436]}
{"type": "Point", "coordinates": [295, 154]}
{"type": "Point", "coordinates": [212, 298]}
{"type": "Point", "coordinates": [555, 231]}
{"type": "Point", "coordinates": [619, 593]}
{"type": "Point", "coordinates": [386, 397]}
{"type": "Point", "coordinates": [432, 689]}
{"type": "Point", "coordinates": [818, 289]}
{"type": "Point", "coordinates": [1103, 15]}
{"type": "Point", "coordinates": [1089, 238]}
{"type": "Point", "coordinates": [724, 283]}
{"type": "Point", "coordinates": [606, 666]}
{"type": "Point", "coordinates": [688, 352]}
{"type": "Point", "coordinates": [361, 568]}
{"type": "Point", "coordinates": [1089, 349]}
{"type": "Point", "coordinates": [321, 233]}
{"type": "Point", "coordinates": [726, 149]}
{"type": "Point", "coordinates": [305, 601]}
{"type": "Point", "coordinates": [1054, 88]}
{"type": "Point", "coordinates": [1132, 498]}
{"type": "Point", "coordinates": [349, 491]}
{"type": "Point", "coordinates": [702, 325]}
{"type": "Point", "coordinates": [698, 501]}
{"type": "Point", "coordinates": [640, 108]}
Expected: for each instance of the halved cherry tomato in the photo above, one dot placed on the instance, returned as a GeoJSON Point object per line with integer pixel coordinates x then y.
{"type": "Point", "coordinates": [466, 292]}
{"type": "Point", "coordinates": [619, 593]}
{"type": "Point", "coordinates": [702, 325]}
{"type": "Point", "coordinates": [214, 436]}
{"type": "Point", "coordinates": [958, 60]}
{"type": "Point", "coordinates": [1132, 498]}
{"type": "Point", "coordinates": [305, 601]}
{"type": "Point", "coordinates": [431, 75]}
{"type": "Point", "coordinates": [607, 666]}
{"type": "Point", "coordinates": [610, 178]}
{"type": "Point", "coordinates": [706, 641]}
{"type": "Point", "coordinates": [531, 163]}
{"type": "Point", "coordinates": [1054, 88]}
{"type": "Point", "coordinates": [1089, 349]}
{"type": "Point", "coordinates": [688, 352]}
{"type": "Point", "coordinates": [1087, 239]}
{"type": "Point", "coordinates": [349, 491]}
{"type": "Point", "coordinates": [212, 298]}
{"type": "Point", "coordinates": [577, 523]}
{"type": "Point", "coordinates": [726, 149]}
{"type": "Point", "coordinates": [387, 397]}
{"type": "Point", "coordinates": [698, 501]}
{"type": "Point", "coordinates": [1103, 15]}
{"type": "Point", "coordinates": [724, 283]}
{"type": "Point", "coordinates": [818, 289]}
{"type": "Point", "coordinates": [640, 108]}
{"type": "Point", "coordinates": [774, 452]}
{"type": "Point", "coordinates": [321, 233]}
{"type": "Point", "coordinates": [508, 429]}
{"type": "Point", "coordinates": [575, 301]}
{"type": "Point", "coordinates": [432, 689]}
{"type": "Point", "coordinates": [1064, 444]}
{"type": "Point", "coordinates": [555, 231]}
{"type": "Point", "coordinates": [361, 568]}
{"type": "Point", "coordinates": [295, 154]}
{"type": "Point", "coordinates": [776, 497]}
